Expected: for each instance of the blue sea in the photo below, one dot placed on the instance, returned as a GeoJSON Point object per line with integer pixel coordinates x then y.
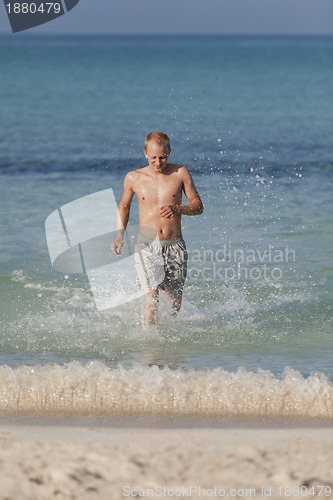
{"type": "Point", "coordinates": [251, 117]}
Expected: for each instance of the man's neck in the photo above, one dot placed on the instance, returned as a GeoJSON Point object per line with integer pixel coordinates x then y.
{"type": "Point", "coordinates": [158, 172]}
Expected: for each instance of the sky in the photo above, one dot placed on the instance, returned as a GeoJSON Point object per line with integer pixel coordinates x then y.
{"type": "Point", "coordinates": [267, 17]}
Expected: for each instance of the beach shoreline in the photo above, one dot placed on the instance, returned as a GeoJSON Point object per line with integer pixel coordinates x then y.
{"type": "Point", "coordinates": [166, 420]}
{"type": "Point", "coordinates": [114, 462]}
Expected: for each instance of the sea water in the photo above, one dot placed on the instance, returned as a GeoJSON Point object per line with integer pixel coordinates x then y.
{"type": "Point", "coordinates": [251, 117]}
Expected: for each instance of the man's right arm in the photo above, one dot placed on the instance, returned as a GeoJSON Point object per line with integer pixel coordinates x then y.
{"type": "Point", "coordinates": [123, 213]}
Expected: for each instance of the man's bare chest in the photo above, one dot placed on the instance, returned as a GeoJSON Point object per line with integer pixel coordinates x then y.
{"type": "Point", "coordinates": [155, 190]}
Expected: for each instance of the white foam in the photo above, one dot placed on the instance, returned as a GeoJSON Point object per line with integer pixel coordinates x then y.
{"type": "Point", "coordinates": [94, 387]}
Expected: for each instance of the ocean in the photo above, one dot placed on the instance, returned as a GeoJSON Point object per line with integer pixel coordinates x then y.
{"type": "Point", "coordinates": [251, 117]}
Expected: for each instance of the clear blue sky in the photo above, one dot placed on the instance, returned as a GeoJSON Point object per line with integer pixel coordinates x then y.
{"type": "Point", "coordinates": [190, 16]}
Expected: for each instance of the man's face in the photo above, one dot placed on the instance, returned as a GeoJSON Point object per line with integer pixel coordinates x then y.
{"type": "Point", "coordinates": [157, 155]}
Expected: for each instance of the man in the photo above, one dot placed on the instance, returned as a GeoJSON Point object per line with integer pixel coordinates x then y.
{"type": "Point", "coordinates": [160, 251]}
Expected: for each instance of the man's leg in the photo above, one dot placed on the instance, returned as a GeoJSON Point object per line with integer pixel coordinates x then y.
{"type": "Point", "coordinates": [175, 302]}
{"type": "Point", "coordinates": [175, 274]}
{"type": "Point", "coordinates": [150, 306]}
{"type": "Point", "coordinates": [149, 266]}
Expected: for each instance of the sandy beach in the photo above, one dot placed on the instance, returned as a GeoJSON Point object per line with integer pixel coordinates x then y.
{"type": "Point", "coordinates": [86, 462]}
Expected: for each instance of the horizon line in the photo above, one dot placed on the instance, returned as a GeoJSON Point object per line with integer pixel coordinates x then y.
{"type": "Point", "coordinates": [44, 33]}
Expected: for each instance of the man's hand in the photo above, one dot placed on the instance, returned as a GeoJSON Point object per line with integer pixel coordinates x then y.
{"type": "Point", "coordinates": [168, 211]}
{"type": "Point", "coordinates": [116, 247]}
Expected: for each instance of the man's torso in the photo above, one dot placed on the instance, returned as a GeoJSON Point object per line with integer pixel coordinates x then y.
{"type": "Point", "coordinates": [153, 192]}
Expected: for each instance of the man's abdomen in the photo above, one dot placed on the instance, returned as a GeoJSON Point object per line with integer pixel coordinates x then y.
{"type": "Point", "coordinates": [161, 228]}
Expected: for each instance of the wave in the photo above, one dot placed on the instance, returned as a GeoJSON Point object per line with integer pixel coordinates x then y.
{"type": "Point", "coordinates": [98, 389]}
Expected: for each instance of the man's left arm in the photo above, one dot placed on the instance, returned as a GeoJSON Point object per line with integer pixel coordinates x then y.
{"type": "Point", "coordinates": [195, 206]}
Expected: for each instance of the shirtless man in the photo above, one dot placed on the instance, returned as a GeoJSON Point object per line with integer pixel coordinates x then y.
{"type": "Point", "coordinates": [160, 251]}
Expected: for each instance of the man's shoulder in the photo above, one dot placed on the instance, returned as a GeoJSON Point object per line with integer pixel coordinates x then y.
{"type": "Point", "coordinates": [176, 168]}
{"type": "Point", "coordinates": [133, 177]}
{"type": "Point", "coordinates": [134, 174]}
{"type": "Point", "coordinates": [182, 172]}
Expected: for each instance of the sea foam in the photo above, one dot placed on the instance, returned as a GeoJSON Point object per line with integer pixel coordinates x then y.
{"type": "Point", "coordinates": [96, 388]}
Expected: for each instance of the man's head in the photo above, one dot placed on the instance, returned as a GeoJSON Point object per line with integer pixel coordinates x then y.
{"type": "Point", "coordinates": [157, 150]}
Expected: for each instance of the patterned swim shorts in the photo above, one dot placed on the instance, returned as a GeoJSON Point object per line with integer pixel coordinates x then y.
{"type": "Point", "coordinates": [161, 264]}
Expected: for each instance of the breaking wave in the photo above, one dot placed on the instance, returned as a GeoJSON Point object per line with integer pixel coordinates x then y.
{"type": "Point", "coordinates": [96, 388]}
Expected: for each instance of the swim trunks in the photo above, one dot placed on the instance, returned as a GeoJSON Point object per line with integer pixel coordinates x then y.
{"type": "Point", "coordinates": [161, 264]}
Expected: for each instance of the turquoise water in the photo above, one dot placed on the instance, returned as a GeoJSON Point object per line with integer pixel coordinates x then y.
{"type": "Point", "coordinates": [251, 118]}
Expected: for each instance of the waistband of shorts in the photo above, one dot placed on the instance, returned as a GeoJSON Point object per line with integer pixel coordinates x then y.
{"type": "Point", "coordinates": [163, 243]}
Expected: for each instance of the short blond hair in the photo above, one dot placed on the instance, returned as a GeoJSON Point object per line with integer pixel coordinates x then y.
{"type": "Point", "coordinates": [159, 137]}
